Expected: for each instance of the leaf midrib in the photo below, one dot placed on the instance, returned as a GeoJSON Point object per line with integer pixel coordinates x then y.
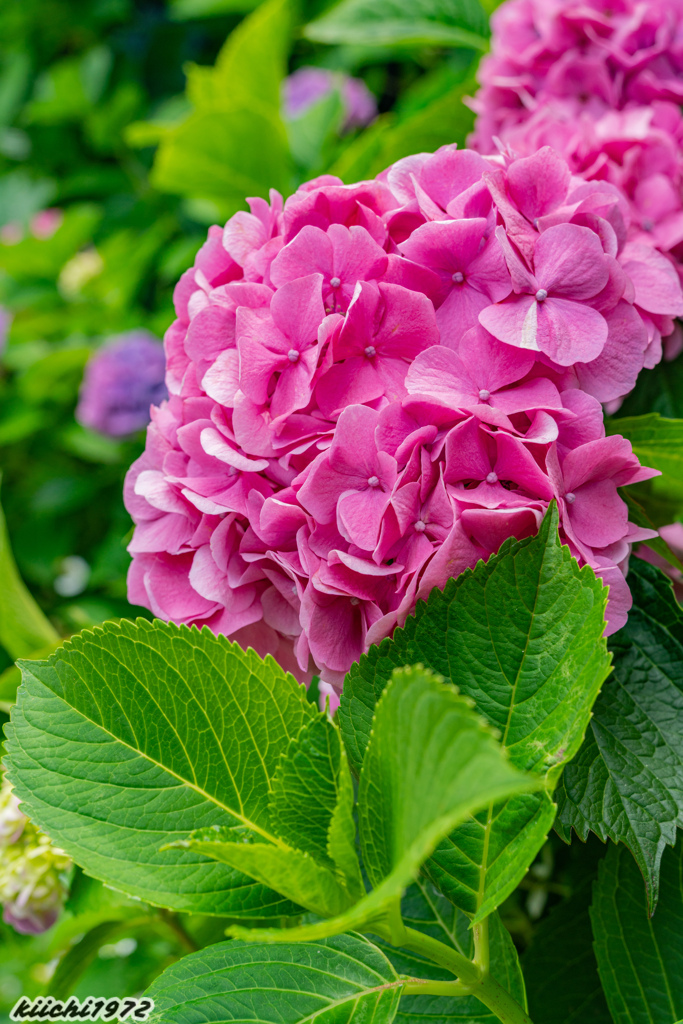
{"type": "Point", "coordinates": [210, 799]}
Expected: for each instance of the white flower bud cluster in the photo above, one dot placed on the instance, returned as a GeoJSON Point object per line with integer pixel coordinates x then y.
{"type": "Point", "coordinates": [33, 873]}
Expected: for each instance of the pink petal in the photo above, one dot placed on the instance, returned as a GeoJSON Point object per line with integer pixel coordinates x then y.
{"type": "Point", "coordinates": [569, 261]}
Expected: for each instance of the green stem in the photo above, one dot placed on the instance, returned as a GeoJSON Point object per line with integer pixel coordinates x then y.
{"type": "Point", "coordinates": [481, 945]}
{"type": "Point", "coordinates": [473, 980]}
{"type": "Point", "coordinates": [426, 987]}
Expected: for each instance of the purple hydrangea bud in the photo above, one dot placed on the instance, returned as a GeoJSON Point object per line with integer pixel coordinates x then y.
{"type": "Point", "coordinates": [120, 383]}
{"type": "Point", "coordinates": [308, 85]}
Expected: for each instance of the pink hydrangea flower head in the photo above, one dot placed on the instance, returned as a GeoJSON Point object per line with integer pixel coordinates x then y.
{"type": "Point", "coordinates": [372, 386]}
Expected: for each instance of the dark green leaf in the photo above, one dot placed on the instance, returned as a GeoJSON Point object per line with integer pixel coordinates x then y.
{"type": "Point", "coordinates": [134, 735]}
{"type": "Point", "coordinates": [334, 981]}
{"type": "Point", "coordinates": [522, 636]}
{"type": "Point", "coordinates": [658, 390]}
{"type": "Point", "coordinates": [626, 783]}
{"type": "Point", "coordinates": [640, 959]}
{"type": "Point", "coordinates": [560, 968]}
{"type": "Point", "coordinates": [388, 22]}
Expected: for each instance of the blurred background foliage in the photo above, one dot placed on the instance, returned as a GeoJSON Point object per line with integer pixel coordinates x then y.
{"type": "Point", "coordinates": [143, 122]}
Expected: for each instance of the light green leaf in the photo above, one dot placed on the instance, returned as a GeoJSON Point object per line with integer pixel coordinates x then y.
{"type": "Point", "coordinates": [640, 959]}
{"type": "Point", "coordinates": [295, 875]}
{"type": "Point", "coordinates": [23, 627]}
{"type": "Point", "coordinates": [522, 636]}
{"type": "Point", "coordinates": [443, 121]}
{"type": "Point", "coordinates": [390, 22]}
{"type": "Point", "coordinates": [626, 783]}
{"type": "Point", "coordinates": [134, 735]}
{"type": "Point", "coordinates": [431, 763]}
{"type": "Point", "coordinates": [311, 804]}
{"type": "Point", "coordinates": [658, 443]}
{"type": "Point", "coordinates": [426, 910]}
{"type": "Point", "coordinates": [335, 981]}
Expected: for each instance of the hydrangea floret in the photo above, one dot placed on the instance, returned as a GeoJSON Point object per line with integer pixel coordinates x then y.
{"type": "Point", "coordinates": [33, 872]}
{"type": "Point", "coordinates": [121, 381]}
{"type": "Point", "coordinates": [373, 385]}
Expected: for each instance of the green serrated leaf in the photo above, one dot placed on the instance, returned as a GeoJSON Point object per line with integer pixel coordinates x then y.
{"type": "Point", "coordinates": [390, 22]}
{"type": "Point", "coordinates": [295, 875]}
{"type": "Point", "coordinates": [426, 910]}
{"type": "Point", "coordinates": [431, 762]}
{"type": "Point", "coordinates": [134, 735]}
{"type": "Point", "coordinates": [334, 981]}
{"type": "Point", "coordinates": [560, 968]}
{"type": "Point", "coordinates": [640, 959]}
{"type": "Point", "coordinates": [626, 783]}
{"type": "Point", "coordinates": [522, 636]}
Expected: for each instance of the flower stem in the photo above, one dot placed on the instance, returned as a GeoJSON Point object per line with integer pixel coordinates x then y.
{"type": "Point", "coordinates": [473, 979]}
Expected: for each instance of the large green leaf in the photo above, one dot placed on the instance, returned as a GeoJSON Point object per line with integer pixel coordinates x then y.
{"type": "Point", "coordinates": [134, 735]}
{"type": "Point", "coordinates": [334, 981]}
{"type": "Point", "coordinates": [658, 443]}
{"type": "Point", "coordinates": [430, 764]}
{"type": "Point", "coordinates": [640, 959]}
{"type": "Point", "coordinates": [560, 968]}
{"type": "Point", "coordinates": [388, 22]}
{"type": "Point", "coordinates": [426, 910]}
{"type": "Point", "coordinates": [626, 783]}
{"type": "Point", "coordinates": [522, 636]}
{"type": "Point", "coordinates": [23, 627]}
{"type": "Point", "coordinates": [313, 860]}
{"type": "Point", "coordinates": [234, 143]}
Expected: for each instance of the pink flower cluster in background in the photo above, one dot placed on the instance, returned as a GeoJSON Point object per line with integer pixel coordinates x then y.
{"type": "Point", "coordinates": [372, 386]}
{"type": "Point", "coordinates": [602, 82]}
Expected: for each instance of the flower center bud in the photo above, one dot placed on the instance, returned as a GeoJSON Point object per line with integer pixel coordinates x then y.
{"type": "Point", "coordinates": [373, 481]}
{"type": "Point", "coordinates": [355, 600]}
{"type": "Point", "coordinates": [570, 497]}
{"type": "Point", "coordinates": [647, 224]}
{"type": "Point", "coordinates": [420, 526]}
{"type": "Point", "coordinates": [458, 277]}
{"type": "Point", "coordinates": [484, 395]}
{"type": "Point", "coordinates": [371, 351]}
{"type": "Point", "coordinates": [335, 282]}
{"type": "Point", "coordinates": [292, 355]}
{"type": "Point", "coordinates": [492, 478]}
{"type": "Point", "coordinates": [541, 295]}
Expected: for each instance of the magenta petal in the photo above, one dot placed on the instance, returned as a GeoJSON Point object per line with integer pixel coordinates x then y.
{"type": "Point", "coordinates": [614, 371]}
{"type": "Point", "coordinates": [459, 313]}
{"type": "Point", "coordinates": [569, 261]}
{"type": "Point", "coordinates": [569, 332]}
{"type": "Point", "coordinates": [598, 515]}
{"type": "Point", "coordinates": [538, 183]}
{"type": "Point", "coordinates": [514, 322]}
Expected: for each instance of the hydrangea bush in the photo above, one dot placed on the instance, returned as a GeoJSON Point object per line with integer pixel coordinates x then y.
{"type": "Point", "coordinates": [405, 694]}
{"type": "Point", "coordinates": [372, 386]}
